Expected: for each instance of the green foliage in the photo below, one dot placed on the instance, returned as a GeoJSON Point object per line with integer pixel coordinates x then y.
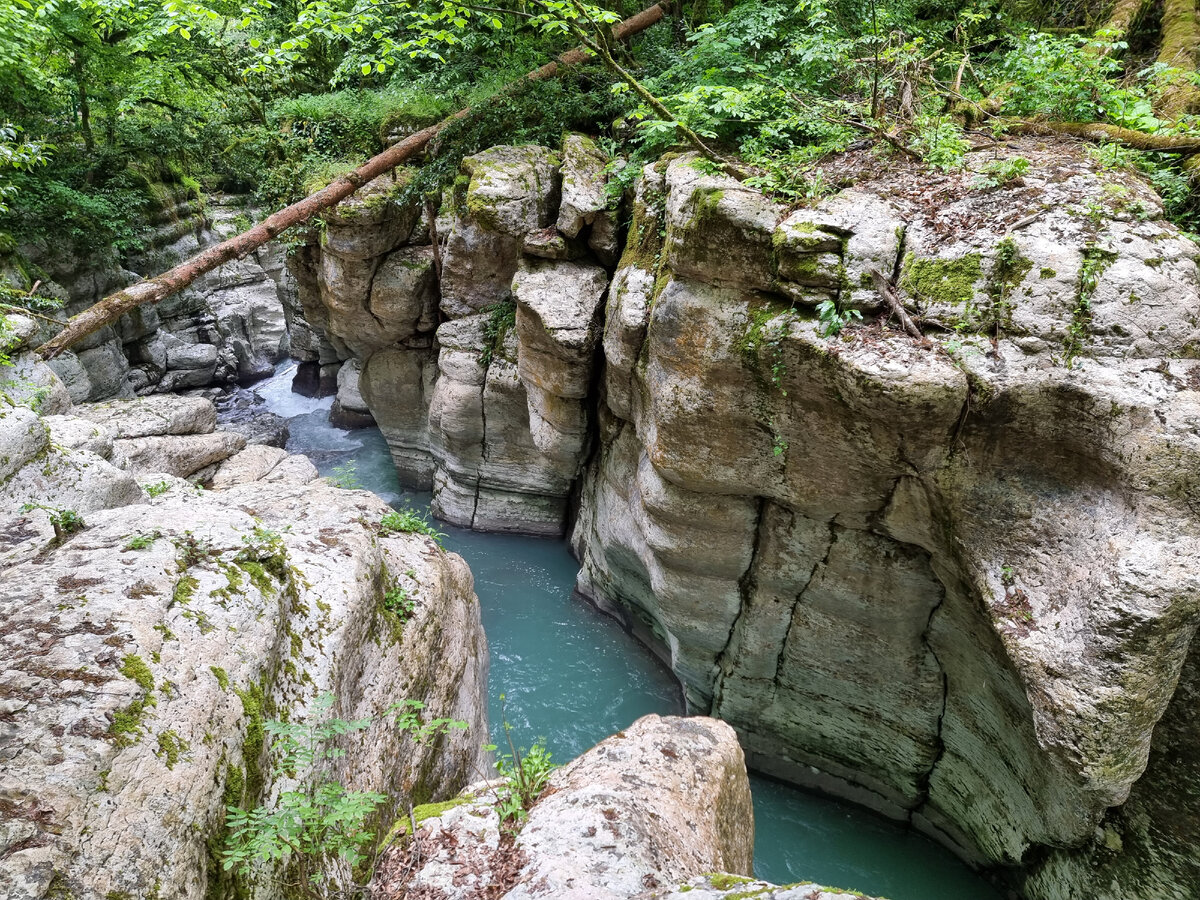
{"type": "Point", "coordinates": [397, 601]}
{"type": "Point", "coordinates": [408, 718]}
{"type": "Point", "coordinates": [1000, 172]}
{"type": "Point", "coordinates": [158, 488]}
{"type": "Point", "coordinates": [345, 475]}
{"type": "Point", "coordinates": [832, 320]}
{"type": "Point", "coordinates": [318, 829]}
{"type": "Point", "coordinates": [1067, 78]}
{"type": "Point", "coordinates": [502, 318]}
{"type": "Point", "coordinates": [941, 141]}
{"type": "Point", "coordinates": [409, 521]}
{"type": "Point", "coordinates": [143, 540]}
{"type": "Point", "coordinates": [525, 773]}
{"type": "Point", "coordinates": [134, 668]}
{"type": "Point", "coordinates": [65, 521]}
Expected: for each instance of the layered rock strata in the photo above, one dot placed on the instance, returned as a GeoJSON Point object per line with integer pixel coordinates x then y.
{"type": "Point", "coordinates": [227, 326]}
{"type": "Point", "coordinates": [479, 375]}
{"type": "Point", "coordinates": [151, 630]}
{"type": "Point", "coordinates": [954, 579]}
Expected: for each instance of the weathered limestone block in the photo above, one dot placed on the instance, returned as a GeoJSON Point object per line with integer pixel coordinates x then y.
{"type": "Point", "coordinates": [75, 433]}
{"type": "Point", "coordinates": [717, 229]}
{"type": "Point", "coordinates": [371, 221]}
{"type": "Point", "coordinates": [558, 328]}
{"type": "Point", "coordinates": [349, 408]}
{"type": "Point", "coordinates": [625, 319]}
{"type": "Point", "coordinates": [135, 717]}
{"type": "Point", "coordinates": [649, 807]}
{"type": "Point", "coordinates": [22, 437]}
{"type": "Point", "coordinates": [970, 593]}
{"type": "Point", "coordinates": [77, 480]}
{"type": "Point", "coordinates": [490, 474]}
{"type": "Point", "coordinates": [404, 295]}
{"type": "Point", "coordinates": [151, 416]}
{"type": "Point", "coordinates": [396, 385]}
{"type": "Point", "coordinates": [512, 191]}
{"type": "Point", "coordinates": [583, 194]}
{"type": "Point", "coordinates": [252, 464]}
{"type": "Point", "coordinates": [180, 455]}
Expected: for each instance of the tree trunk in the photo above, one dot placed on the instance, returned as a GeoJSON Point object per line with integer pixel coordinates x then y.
{"type": "Point", "coordinates": [1180, 45]}
{"type": "Point", "coordinates": [85, 111]}
{"type": "Point", "coordinates": [156, 289]}
{"type": "Point", "coordinates": [1099, 131]}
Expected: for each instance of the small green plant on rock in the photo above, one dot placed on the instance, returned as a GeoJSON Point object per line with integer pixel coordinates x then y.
{"type": "Point", "coordinates": [65, 521]}
{"type": "Point", "coordinates": [157, 489]}
{"type": "Point", "coordinates": [832, 319]}
{"type": "Point", "coordinates": [502, 318]}
{"type": "Point", "coordinates": [525, 773]}
{"type": "Point", "coordinates": [317, 831]}
{"type": "Point", "coordinates": [142, 540]}
{"type": "Point", "coordinates": [1001, 172]}
{"type": "Point", "coordinates": [409, 521]}
{"type": "Point", "coordinates": [345, 476]}
{"type": "Point", "coordinates": [397, 601]}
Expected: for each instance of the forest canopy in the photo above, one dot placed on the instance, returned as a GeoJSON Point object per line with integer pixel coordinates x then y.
{"type": "Point", "coordinates": [100, 100]}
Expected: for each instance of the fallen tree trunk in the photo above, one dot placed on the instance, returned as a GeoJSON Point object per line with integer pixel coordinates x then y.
{"type": "Point", "coordinates": [1099, 131]}
{"type": "Point", "coordinates": [153, 290]}
{"type": "Point", "coordinates": [1122, 19]}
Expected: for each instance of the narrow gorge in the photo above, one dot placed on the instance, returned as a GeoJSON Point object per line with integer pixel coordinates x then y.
{"type": "Point", "coordinates": [951, 579]}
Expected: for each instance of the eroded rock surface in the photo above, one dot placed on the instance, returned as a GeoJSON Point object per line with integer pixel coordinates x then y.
{"type": "Point", "coordinates": [649, 807]}
{"type": "Point", "coordinates": [144, 648]}
{"type": "Point", "coordinates": [957, 579]}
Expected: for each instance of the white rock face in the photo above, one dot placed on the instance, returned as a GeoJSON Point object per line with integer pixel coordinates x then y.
{"type": "Point", "coordinates": [138, 673]}
{"type": "Point", "coordinates": [228, 325]}
{"type": "Point", "coordinates": [647, 808]}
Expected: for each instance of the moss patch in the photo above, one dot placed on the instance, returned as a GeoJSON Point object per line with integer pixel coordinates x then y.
{"type": "Point", "coordinates": [171, 747]}
{"type": "Point", "coordinates": [950, 281]}
{"type": "Point", "coordinates": [423, 812]}
{"type": "Point", "coordinates": [134, 668]}
{"type": "Point", "coordinates": [222, 677]}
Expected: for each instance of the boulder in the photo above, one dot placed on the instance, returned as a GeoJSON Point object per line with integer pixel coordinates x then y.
{"type": "Point", "coordinates": [180, 455]}
{"type": "Point", "coordinates": [152, 416]}
{"type": "Point", "coordinates": [656, 804]}
{"type": "Point", "coordinates": [144, 655]}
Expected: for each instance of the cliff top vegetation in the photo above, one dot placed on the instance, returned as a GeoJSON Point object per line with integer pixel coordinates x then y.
{"type": "Point", "coordinates": [103, 101]}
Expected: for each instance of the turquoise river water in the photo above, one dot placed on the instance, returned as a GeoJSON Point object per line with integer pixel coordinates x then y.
{"type": "Point", "coordinates": [571, 677]}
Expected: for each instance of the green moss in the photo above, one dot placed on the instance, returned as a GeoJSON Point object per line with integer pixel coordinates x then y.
{"type": "Point", "coordinates": [235, 786]}
{"type": "Point", "coordinates": [258, 575]}
{"type": "Point", "coordinates": [222, 677]}
{"type": "Point", "coordinates": [1047, 272]}
{"type": "Point", "coordinates": [421, 813]}
{"type": "Point", "coordinates": [127, 723]}
{"type": "Point", "coordinates": [167, 633]}
{"type": "Point", "coordinates": [135, 668]}
{"type": "Point", "coordinates": [950, 281]}
{"type": "Point", "coordinates": [1007, 274]}
{"type": "Point", "coordinates": [1095, 261]}
{"type": "Point", "coordinates": [252, 746]}
{"type": "Point", "coordinates": [723, 881]}
{"type": "Point", "coordinates": [185, 590]}
{"type": "Point", "coordinates": [171, 746]}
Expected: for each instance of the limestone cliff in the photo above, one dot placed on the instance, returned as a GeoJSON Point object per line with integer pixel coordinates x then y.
{"type": "Point", "coordinates": [954, 578]}
{"type": "Point", "coordinates": [149, 632]}
{"type": "Point", "coordinates": [228, 326]}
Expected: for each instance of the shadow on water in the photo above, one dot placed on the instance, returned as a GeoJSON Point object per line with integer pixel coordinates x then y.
{"type": "Point", "coordinates": [571, 676]}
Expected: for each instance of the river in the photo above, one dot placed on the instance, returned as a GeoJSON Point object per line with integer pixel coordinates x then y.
{"type": "Point", "coordinates": [571, 676]}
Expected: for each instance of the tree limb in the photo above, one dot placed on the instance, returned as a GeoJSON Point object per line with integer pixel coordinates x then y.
{"type": "Point", "coordinates": [885, 290]}
{"type": "Point", "coordinates": [155, 289]}
{"type": "Point", "coordinates": [1099, 131]}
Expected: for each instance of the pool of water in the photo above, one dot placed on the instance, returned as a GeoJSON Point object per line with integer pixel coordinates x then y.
{"type": "Point", "coordinates": [570, 677]}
